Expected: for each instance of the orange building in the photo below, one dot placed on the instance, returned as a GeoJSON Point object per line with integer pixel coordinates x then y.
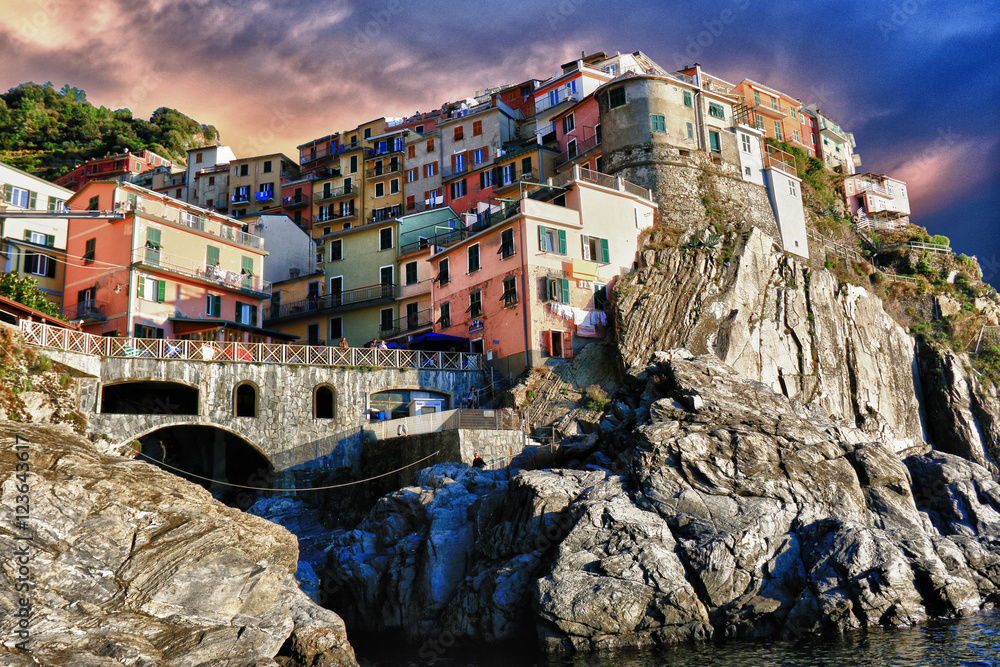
{"type": "Point", "coordinates": [780, 116]}
{"type": "Point", "coordinates": [157, 267]}
{"type": "Point", "coordinates": [120, 167]}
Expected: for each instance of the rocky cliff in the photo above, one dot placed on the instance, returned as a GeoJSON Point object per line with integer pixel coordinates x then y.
{"type": "Point", "coordinates": [808, 335]}
{"type": "Point", "coordinates": [715, 507]}
{"type": "Point", "coordinates": [124, 564]}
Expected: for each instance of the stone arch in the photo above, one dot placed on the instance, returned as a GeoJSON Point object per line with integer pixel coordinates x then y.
{"type": "Point", "coordinates": [149, 396]}
{"type": "Point", "coordinates": [232, 431]}
{"type": "Point", "coordinates": [246, 399]}
{"type": "Point", "coordinates": [324, 401]}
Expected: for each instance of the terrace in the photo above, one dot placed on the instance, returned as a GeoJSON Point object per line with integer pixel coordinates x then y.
{"type": "Point", "coordinates": [382, 292]}
{"type": "Point", "coordinates": [155, 258]}
{"type": "Point", "coordinates": [163, 212]}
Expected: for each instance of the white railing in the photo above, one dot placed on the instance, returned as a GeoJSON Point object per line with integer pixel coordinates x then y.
{"type": "Point", "coordinates": [175, 263]}
{"type": "Point", "coordinates": [201, 223]}
{"type": "Point", "coordinates": [69, 340]}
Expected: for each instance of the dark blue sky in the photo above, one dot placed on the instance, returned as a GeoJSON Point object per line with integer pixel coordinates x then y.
{"type": "Point", "coordinates": [916, 81]}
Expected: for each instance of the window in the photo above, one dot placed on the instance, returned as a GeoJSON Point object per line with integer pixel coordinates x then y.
{"type": "Point", "coordinates": [151, 289]}
{"type": "Point", "coordinates": [558, 290]}
{"type": "Point", "coordinates": [690, 129]}
{"type": "Point", "coordinates": [56, 204]}
{"type": "Point", "coordinates": [473, 257]}
{"type": "Point", "coordinates": [19, 196]}
{"type": "Point", "coordinates": [430, 168]}
{"type": "Point", "coordinates": [791, 110]}
{"type": "Point", "coordinates": [244, 170]}
{"type": "Point", "coordinates": [411, 202]}
{"type": "Point", "coordinates": [551, 240]}
{"type": "Point", "coordinates": [714, 142]}
{"type": "Point", "coordinates": [411, 175]}
{"type": "Point", "coordinates": [458, 189]}
{"type": "Point", "coordinates": [213, 305]}
{"type": "Point", "coordinates": [385, 238]}
{"type": "Point", "coordinates": [658, 122]}
{"type": "Point", "coordinates": [569, 124]}
{"type": "Point", "coordinates": [506, 243]}
{"type": "Point", "coordinates": [411, 151]}
{"type": "Point", "coordinates": [95, 204]}
{"type": "Point", "coordinates": [509, 297]}
{"type": "Point", "coordinates": [394, 186]}
{"type": "Point", "coordinates": [459, 133]}
{"type": "Point", "coordinates": [336, 250]}
{"type": "Point", "coordinates": [368, 133]}
{"type": "Point", "coordinates": [716, 111]}
{"type": "Point", "coordinates": [211, 257]}
{"type": "Point", "coordinates": [430, 145]}
{"type": "Point", "coordinates": [410, 273]}
{"type": "Point", "coordinates": [508, 173]}
{"type": "Point", "coordinates": [777, 131]}
{"type": "Point", "coordinates": [526, 166]}
{"type": "Point", "coordinates": [756, 97]}
{"type": "Point", "coordinates": [479, 156]}
{"type": "Point", "coordinates": [444, 275]}
{"type": "Point", "coordinates": [245, 400]}
{"type": "Point", "coordinates": [354, 164]}
{"type": "Point", "coordinates": [324, 400]}
{"type": "Point", "coordinates": [336, 329]}
{"type": "Point", "coordinates": [477, 128]}
{"type": "Point", "coordinates": [49, 240]}
{"type": "Point", "coordinates": [616, 97]}
{"type": "Point", "coordinates": [476, 303]}
{"type": "Point", "coordinates": [595, 249]}
{"type": "Point", "coordinates": [39, 265]}
{"type": "Point", "coordinates": [745, 143]}
{"type": "Point", "coordinates": [143, 331]}
{"type": "Point", "coordinates": [791, 189]}
{"type": "Point", "coordinates": [380, 189]}
{"type": "Point", "coordinates": [795, 136]}
{"type": "Point", "coordinates": [571, 149]}
{"type": "Point", "coordinates": [760, 122]}
{"type": "Point", "coordinates": [486, 179]}
{"type": "Point", "coordinates": [267, 166]}
{"type": "Point", "coordinates": [198, 157]}
{"type": "Point", "coordinates": [247, 266]}
{"type": "Point", "coordinates": [600, 296]}
{"type": "Point", "coordinates": [687, 99]}
{"type": "Point", "coordinates": [774, 103]}
{"type": "Point", "coordinates": [458, 163]}
{"type": "Point", "coordinates": [211, 180]}
{"type": "Point", "coordinates": [153, 246]}
{"type": "Point", "coordinates": [445, 319]}
{"type": "Point", "coordinates": [386, 319]}
{"type": "Point", "coordinates": [246, 313]}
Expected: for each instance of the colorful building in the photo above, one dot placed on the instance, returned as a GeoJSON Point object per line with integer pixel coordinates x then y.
{"type": "Point", "coordinates": [207, 177]}
{"type": "Point", "coordinates": [578, 135]}
{"type": "Point", "coordinates": [527, 283]}
{"type": "Point", "coordinates": [835, 146]}
{"type": "Point", "coordinates": [163, 269]}
{"type": "Point", "coordinates": [121, 167]}
{"type": "Point", "coordinates": [33, 247]}
{"type": "Point", "coordinates": [876, 195]}
{"type": "Point", "coordinates": [255, 183]}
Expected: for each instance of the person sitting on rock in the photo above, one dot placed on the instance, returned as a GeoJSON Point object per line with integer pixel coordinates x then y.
{"type": "Point", "coordinates": [477, 461]}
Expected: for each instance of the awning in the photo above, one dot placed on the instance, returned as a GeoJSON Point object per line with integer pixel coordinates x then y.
{"type": "Point", "coordinates": [584, 270]}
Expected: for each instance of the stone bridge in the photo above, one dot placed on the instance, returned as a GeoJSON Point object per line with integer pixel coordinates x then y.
{"type": "Point", "coordinates": [290, 412]}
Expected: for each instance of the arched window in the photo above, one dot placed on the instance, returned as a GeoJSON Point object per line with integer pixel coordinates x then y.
{"type": "Point", "coordinates": [246, 400]}
{"type": "Point", "coordinates": [324, 402]}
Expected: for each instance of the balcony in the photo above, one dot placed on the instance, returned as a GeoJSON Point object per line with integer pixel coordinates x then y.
{"type": "Point", "coordinates": [315, 155]}
{"type": "Point", "coordinates": [241, 198]}
{"type": "Point", "coordinates": [782, 161]}
{"type": "Point", "coordinates": [157, 259]}
{"type": "Point", "coordinates": [90, 311]}
{"type": "Point", "coordinates": [410, 323]}
{"type": "Point", "coordinates": [334, 193]}
{"type": "Point", "coordinates": [346, 299]}
{"type": "Point", "coordinates": [831, 130]}
{"type": "Point", "coordinates": [448, 173]}
{"type": "Point", "coordinates": [392, 146]}
{"type": "Point", "coordinates": [582, 148]}
{"type": "Point", "coordinates": [168, 213]}
{"type": "Point", "coordinates": [387, 213]}
{"type": "Point", "coordinates": [264, 195]}
{"type": "Point", "coordinates": [336, 216]}
{"type": "Point", "coordinates": [515, 181]}
{"type": "Point", "coordinates": [875, 188]}
{"type": "Point", "coordinates": [383, 170]}
{"type": "Point", "coordinates": [295, 201]}
{"type": "Point", "coordinates": [773, 111]}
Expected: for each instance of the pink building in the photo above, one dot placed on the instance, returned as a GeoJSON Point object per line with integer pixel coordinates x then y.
{"type": "Point", "coordinates": [528, 283]}
{"type": "Point", "coordinates": [578, 135]}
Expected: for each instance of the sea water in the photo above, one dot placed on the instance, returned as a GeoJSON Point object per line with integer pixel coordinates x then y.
{"type": "Point", "coordinates": [972, 642]}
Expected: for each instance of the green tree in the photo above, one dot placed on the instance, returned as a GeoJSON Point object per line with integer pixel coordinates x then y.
{"type": "Point", "coordinates": [25, 290]}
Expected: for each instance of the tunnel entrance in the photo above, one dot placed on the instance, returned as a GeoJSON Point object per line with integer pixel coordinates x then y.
{"type": "Point", "coordinates": [211, 453]}
{"type": "Point", "coordinates": [149, 398]}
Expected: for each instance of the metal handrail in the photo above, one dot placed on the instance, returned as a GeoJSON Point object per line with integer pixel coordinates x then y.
{"type": "Point", "coordinates": [336, 300]}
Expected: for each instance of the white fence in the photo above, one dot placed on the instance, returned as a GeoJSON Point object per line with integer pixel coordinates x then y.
{"type": "Point", "coordinates": [69, 340]}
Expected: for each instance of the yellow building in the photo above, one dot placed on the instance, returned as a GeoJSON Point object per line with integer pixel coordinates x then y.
{"type": "Point", "coordinates": [255, 183]}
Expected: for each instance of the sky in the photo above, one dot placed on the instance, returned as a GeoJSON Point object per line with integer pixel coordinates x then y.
{"type": "Point", "coordinates": [916, 81]}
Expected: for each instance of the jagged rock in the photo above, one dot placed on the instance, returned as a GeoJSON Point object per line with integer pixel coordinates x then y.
{"type": "Point", "coordinates": [742, 513]}
{"type": "Point", "coordinates": [132, 565]}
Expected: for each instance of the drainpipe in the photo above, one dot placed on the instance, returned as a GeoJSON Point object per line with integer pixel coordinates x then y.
{"type": "Point", "coordinates": [524, 291]}
{"type": "Point", "coordinates": [699, 119]}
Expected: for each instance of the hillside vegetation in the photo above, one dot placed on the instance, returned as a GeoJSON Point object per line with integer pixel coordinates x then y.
{"type": "Point", "coordinates": [46, 131]}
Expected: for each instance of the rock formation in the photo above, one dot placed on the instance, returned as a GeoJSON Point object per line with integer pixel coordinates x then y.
{"type": "Point", "coordinates": [129, 565]}
{"type": "Point", "coordinates": [713, 507]}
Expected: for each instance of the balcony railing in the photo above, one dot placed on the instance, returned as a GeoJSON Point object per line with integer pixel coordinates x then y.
{"type": "Point", "coordinates": [448, 173]}
{"type": "Point", "coordinates": [329, 216]}
{"type": "Point", "coordinates": [387, 213]}
{"type": "Point", "coordinates": [294, 200]}
{"type": "Point", "coordinates": [157, 259]}
{"type": "Point", "coordinates": [352, 297]}
{"type": "Point", "coordinates": [582, 148]}
{"type": "Point", "coordinates": [90, 310]}
{"type": "Point", "coordinates": [410, 322]}
{"type": "Point", "coordinates": [183, 218]}
{"type": "Point", "coordinates": [832, 130]}
{"type": "Point", "coordinates": [384, 170]}
{"type": "Point", "coordinates": [69, 340]}
{"type": "Point", "coordinates": [334, 193]}
{"type": "Point", "coordinates": [768, 110]}
{"type": "Point", "coordinates": [241, 198]}
{"type": "Point", "coordinates": [782, 161]}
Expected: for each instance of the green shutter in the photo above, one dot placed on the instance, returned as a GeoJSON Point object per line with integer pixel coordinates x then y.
{"type": "Point", "coordinates": [159, 332]}
{"type": "Point", "coordinates": [562, 241]}
{"type": "Point", "coordinates": [687, 98]}
{"type": "Point", "coordinates": [212, 255]}
{"type": "Point", "coordinates": [50, 268]}
{"type": "Point", "coordinates": [142, 286]}
{"type": "Point", "coordinates": [153, 236]}
{"type": "Point", "coordinates": [541, 237]}
{"type": "Point", "coordinates": [161, 290]}
{"type": "Point", "coordinates": [248, 265]}
{"type": "Point", "coordinates": [27, 235]}
{"type": "Point", "coordinates": [8, 192]}
{"type": "Point", "coordinates": [253, 315]}
{"type": "Point", "coordinates": [605, 255]}
{"type": "Point", "coordinates": [565, 290]}
{"type": "Point", "coordinates": [50, 240]}
{"type": "Point", "coordinates": [32, 199]}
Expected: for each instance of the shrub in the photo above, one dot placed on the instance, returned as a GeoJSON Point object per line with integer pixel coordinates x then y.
{"type": "Point", "coordinates": [595, 398]}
